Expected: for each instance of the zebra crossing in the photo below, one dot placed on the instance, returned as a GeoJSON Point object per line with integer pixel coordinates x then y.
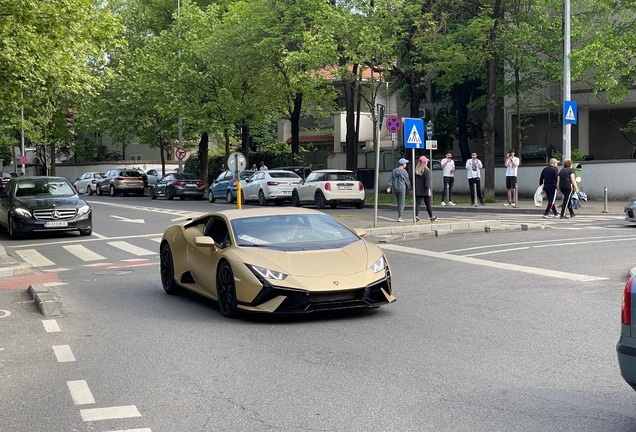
{"type": "Point", "coordinates": [52, 257]}
{"type": "Point", "coordinates": [578, 222]}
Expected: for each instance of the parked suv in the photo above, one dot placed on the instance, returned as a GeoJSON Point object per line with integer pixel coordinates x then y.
{"type": "Point", "coordinates": [331, 187]}
{"type": "Point", "coordinates": [124, 181]}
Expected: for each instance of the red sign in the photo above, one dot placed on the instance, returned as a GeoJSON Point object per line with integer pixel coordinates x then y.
{"type": "Point", "coordinates": [23, 160]}
{"type": "Point", "coordinates": [393, 124]}
{"type": "Point", "coordinates": [180, 153]}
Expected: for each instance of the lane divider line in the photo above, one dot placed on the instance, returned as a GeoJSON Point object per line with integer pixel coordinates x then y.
{"type": "Point", "coordinates": [119, 412]}
{"type": "Point", "coordinates": [51, 326]}
{"type": "Point", "coordinates": [80, 392]}
{"type": "Point", "coordinates": [63, 353]}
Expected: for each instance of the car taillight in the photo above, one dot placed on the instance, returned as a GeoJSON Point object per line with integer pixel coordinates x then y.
{"type": "Point", "coordinates": [94, 181]}
{"type": "Point", "coordinates": [360, 186]}
{"type": "Point", "coordinates": [626, 314]}
{"type": "Point", "coordinates": [121, 178]}
{"type": "Point", "coordinates": [200, 184]}
{"type": "Point", "coordinates": [328, 186]}
{"type": "Point", "coordinates": [273, 183]}
{"type": "Point", "coordinates": [178, 183]}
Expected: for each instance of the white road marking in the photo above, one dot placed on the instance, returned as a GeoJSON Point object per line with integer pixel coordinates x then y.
{"type": "Point", "coordinates": [90, 240]}
{"type": "Point", "coordinates": [134, 430]}
{"type": "Point", "coordinates": [158, 239]}
{"type": "Point", "coordinates": [123, 219]}
{"type": "Point", "coordinates": [4, 313]}
{"type": "Point", "coordinates": [83, 253]}
{"type": "Point", "coordinates": [35, 258]}
{"type": "Point", "coordinates": [51, 326]}
{"type": "Point", "coordinates": [497, 265]}
{"type": "Point", "coordinates": [80, 392]}
{"type": "Point", "coordinates": [135, 259]}
{"type": "Point", "coordinates": [63, 353]}
{"type": "Point", "coordinates": [119, 412]}
{"type": "Point", "coordinates": [96, 265]}
{"type": "Point", "coordinates": [54, 284]}
{"type": "Point", "coordinates": [498, 251]}
{"type": "Point", "coordinates": [53, 270]}
{"type": "Point", "coordinates": [135, 250]}
{"type": "Point", "coordinates": [99, 236]}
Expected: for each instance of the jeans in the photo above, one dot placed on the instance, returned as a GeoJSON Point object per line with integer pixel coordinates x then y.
{"type": "Point", "coordinates": [448, 181]}
{"type": "Point", "coordinates": [401, 199]}
{"type": "Point", "coordinates": [471, 184]}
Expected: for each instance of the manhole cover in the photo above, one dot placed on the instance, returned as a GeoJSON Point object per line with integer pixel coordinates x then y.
{"type": "Point", "coordinates": [113, 272]}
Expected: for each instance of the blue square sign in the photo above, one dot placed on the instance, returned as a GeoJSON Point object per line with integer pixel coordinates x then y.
{"type": "Point", "coordinates": [414, 133]}
{"type": "Point", "coordinates": [569, 112]}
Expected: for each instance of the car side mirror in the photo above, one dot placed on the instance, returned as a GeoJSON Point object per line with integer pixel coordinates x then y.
{"type": "Point", "coordinates": [360, 232]}
{"type": "Point", "coordinates": [205, 241]}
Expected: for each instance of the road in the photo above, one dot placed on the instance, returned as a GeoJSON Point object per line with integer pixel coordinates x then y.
{"type": "Point", "coordinates": [499, 331]}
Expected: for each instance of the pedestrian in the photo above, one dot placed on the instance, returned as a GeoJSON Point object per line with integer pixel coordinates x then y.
{"type": "Point", "coordinates": [423, 188]}
{"type": "Point", "coordinates": [548, 179]}
{"type": "Point", "coordinates": [473, 171]}
{"type": "Point", "coordinates": [399, 183]}
{"type": "Point", "coordinates": [448, 167]}
{"type": "Point", "coordinates": [263, 167]}
{"type": "Point", "coordinates": [222, 168]}
{"type": "Point", "coordinates": [511, 164]}
{"type": "Point", "coordinates": [566, 184]}
{"type": "Point", "coordinates": [254, 167]}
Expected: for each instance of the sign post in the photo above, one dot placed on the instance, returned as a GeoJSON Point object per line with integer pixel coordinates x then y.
{"type": "Point", "coordinates": [237, 163]}
{"type": "Point", "coordinates": [413, 134]}
{"type": "Point", "coordinates": [180, 153]}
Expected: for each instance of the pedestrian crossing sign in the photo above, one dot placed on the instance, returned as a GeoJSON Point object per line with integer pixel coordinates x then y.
{"type": "Point", "coordinates": [413, 133]}
{"type": "Point", "coordinates": [569, 112]}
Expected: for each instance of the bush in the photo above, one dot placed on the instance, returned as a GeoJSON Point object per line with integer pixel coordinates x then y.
{"type": "Point", "coordinates": [576, 155]}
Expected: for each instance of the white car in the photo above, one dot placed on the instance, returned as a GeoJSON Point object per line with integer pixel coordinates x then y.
{"type": "Point", "coordinates": [272, 185]}
{"type": "Point", "coordinates": [331, 187]}
{"type": "Point", "coordinates": [87, 183]}
{"type": "Point", "coordinates": [155, 174]}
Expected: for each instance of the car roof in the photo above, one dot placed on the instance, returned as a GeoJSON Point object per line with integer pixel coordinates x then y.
{"type": "Point", "coordinates": [33, 178]}
{"type": "Point", "coordinates": [332, 171]}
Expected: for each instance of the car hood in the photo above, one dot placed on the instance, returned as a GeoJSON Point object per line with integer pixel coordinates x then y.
{"type": "Point", "coordinates": [348, 260]}
{"type": "Point", "coordinates": [48, 202]}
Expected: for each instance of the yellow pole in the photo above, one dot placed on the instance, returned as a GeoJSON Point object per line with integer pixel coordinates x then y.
{"type": "Point", "coordinates": [238, 196]}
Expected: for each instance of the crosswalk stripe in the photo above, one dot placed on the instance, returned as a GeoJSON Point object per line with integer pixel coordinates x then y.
{"type": "Point", "coordinates": [135, 250]}
{"type": "Point", "coordinates": [158, 239]}
{"type": "Point", "coordinates": [35, 258]}
{"type": "Point", "coordinates": [80, 393]}
{"type": "Point", "coordinates": [119, 412]}
{"type": "Point", "coordinates": [51, 326]}
{"type": "Point", "coordinates": [134, 430]}
{"type": "Point", "coordinates": [63, 353]}
{"type": "Point", "coordinates": [83, 253]}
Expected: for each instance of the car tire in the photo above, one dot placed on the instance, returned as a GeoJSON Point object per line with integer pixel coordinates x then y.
{"type": "Point", "coordinates": [89, 190]}
{"type": "Point", "coordinates": [166, 269]}
{"type": "Point", "coordinates": [243, 202]}
{"type": "Point", "coordinates": [112, 190]}
{"type": "Point", "coordinates": [211, 196]}
{"type": "Point", "coordinates": [86, 232]}
{"type": "Point", "coordinates": [169, 195]}
{"type": "Point", "coordinates": [261, 198]}
{"type": "Point", "coordinates": [11, 229]}
{"type": "Point", "coordinates": [152, 193]}
{"type": "Point", "coordinates": [99, 191]}
{"type": "Point", "coordinates": [359, 206]}
{"type": "Point", "coordinates": [295, 199]}
{"type": "Point", "coordinates": [320, 200]}
{"type": "Point", "coordinates": [229, 198]}
{"type": "Point", "coordinates": [226, 290]}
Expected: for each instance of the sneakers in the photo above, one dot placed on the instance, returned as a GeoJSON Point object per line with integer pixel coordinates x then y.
{"type": "Point", "coordinates": [400, 219]}
{"type": "Point", "coordinates": [434, 218]}
{"type": "Point", "coordinates": [565, 217]}
{"type": "Point", "coordinates": [572, 215]}
{"type": "Point", "coordinates": [417, 219]}
{"type": "Point", "coordinates": [482, 203]}
{"type": "Point", "coordinates": [451, 203]}
{"type": "Point", "coordinates": [547, 216]}
{"type": "Point", "coordinates": [507, 203]}
{"type": "Point", "coordinates": [443, 203]}
{"type": "Point", "coordinates": [514, 204]}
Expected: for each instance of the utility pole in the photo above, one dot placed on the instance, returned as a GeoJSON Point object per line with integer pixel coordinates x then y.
{"type": "Point", "coordinates": [567, 127]}
{"type": "Point", "coordinates": [180, 121]}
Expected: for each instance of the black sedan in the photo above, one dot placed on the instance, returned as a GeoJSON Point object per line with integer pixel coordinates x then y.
{"type": "Point", "coordinates": [178, 184]}
{"type": "Point", "coordinates": [43, 204]}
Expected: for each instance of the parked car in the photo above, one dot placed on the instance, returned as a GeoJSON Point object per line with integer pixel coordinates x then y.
{"type": "Point", "coordinates": [180, 185]}
{"type": "Point", "coordinates": [271, 185]}
{"type": "Point", "coordinates": [626, 346]}
{"type": "Point", "coordinates": [143, 174]}
{"type": "Point", "coordinates": [300, 171]}
{"type": "Point", "coordinates": [4, 179]}
{"type": "Point", "coordinates": [331, 187]}
{"type": "Point", "coordinates": [43, 204]}
{"type": "Point", "coordinates": [224, 186]}
{"type": "Point", "coordinates": [124, 181]}
{"type": "Point", "coordinates": [87, 183]}
{"type": "Point", "coordinates": [155, 174]}
{"type": "Point", "coordinates": [630, 210]}
{"type": "Point", "coordinates": [288, 272]}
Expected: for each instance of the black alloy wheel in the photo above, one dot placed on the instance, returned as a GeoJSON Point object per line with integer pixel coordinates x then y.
{"type": "Point", "coordinates": [169, 196]}
{"type": "Point", "coordinates": [166, 268]}
{"type": "Point", "coordinates": [261, 198]}
{"type": "Point", "coordinates": [99, 191]}
{"type": "Point", "coordinates": [11, 229]}
{"type": "Point", "coordinates": [295, 199]}
{"type": "Point", "coordinates": [226, 290]}
{"type": "Point", "coordinates": [320, 200]}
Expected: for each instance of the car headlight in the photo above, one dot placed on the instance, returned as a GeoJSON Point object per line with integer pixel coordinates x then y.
{"type": "Point", "coordinates": [83, 210]}
{"type": "Point", "coordinates": [22, 212]}
{"type": "Point", "coordinates": [267, 273]}
{"type": "Point", "coordinates": [379, 265]}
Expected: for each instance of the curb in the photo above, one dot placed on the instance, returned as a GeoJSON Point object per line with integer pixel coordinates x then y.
{"type": "Point", "coordinates": [10, 266]}
{"type": "Point", "coordinates": [46, 300]}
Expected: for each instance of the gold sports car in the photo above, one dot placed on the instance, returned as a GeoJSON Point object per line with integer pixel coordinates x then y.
{"type": "Point", "coordinates": [274, 260]}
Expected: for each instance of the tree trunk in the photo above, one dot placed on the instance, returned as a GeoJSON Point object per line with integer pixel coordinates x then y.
{"type": "Point", "coordinates": [203, 158]}
{"type": "Point", "coordinates": [52, 152]}
{"type": "Point", "coordinates": [162, 148]}
{"type": "Point", "coordinates": [245, 140]}
{"type": "Point", "coordinates": [295, 128]}
{"type": "Point", "coordinates": [226, 135]}
{"type": "Point", "coordinates": [518, 108]}
{"type": "Point", "coordinates": [352, 146]}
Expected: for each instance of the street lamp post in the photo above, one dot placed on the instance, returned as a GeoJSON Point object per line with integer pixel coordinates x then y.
{"type": "Point", "coordinates": [180, 121]}
{"type": "Point", "coordinates": [567, 127]}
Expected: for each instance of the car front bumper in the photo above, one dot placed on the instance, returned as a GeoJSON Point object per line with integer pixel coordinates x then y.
{"type": "Point", "coordinates": [26, 225]}
{"type": "Point", "coordinates": [629, 214]}
{"type": "Point", "coordinates": [179, 191]}
{"type": "Point", "coordinates": [627, 362]}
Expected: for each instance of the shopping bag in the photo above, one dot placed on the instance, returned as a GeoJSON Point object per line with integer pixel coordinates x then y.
{"type": "Point", "coordinates": [538, 196]}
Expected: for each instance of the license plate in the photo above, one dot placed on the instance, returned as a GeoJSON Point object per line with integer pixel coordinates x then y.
{"type": "Point", "coordinates": [132, 184]}
{"type": "Point", "coordinates": [191, 185]}
{"type": "Point", "coordinates": [345, 187]}
{"type": "Point", "coordinates": [286, 192]}
{"type": "Point", "coordinates": [55, 224]}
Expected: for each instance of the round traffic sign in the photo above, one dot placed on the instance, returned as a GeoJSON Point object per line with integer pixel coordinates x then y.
{"type": "Point", "coordinates": [236, 162]}
{"type": "Point", "coordinates": [23, 160]}
{"type": "Point", "coordinates": [180, 153]}
{"type": "Point", "coordinates": [393, 124]}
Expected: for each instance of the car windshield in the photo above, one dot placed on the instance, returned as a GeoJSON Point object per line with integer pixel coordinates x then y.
{"type": "Point", "coordinates": [246, 174]}
{"type": "Point", "coordinates": [129, 174]}
{"type": "Point", "coordinates": [43, 188]}
{"type": "Point", "coordinates": [341, 176]}
{"type": "Point", "coordinates": [283, 174]}
{"type": "Point", "coordinates": [292, 232]}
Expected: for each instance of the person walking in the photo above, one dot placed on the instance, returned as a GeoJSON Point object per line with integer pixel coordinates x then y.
{"type": "Point", "coordinates": [511, 164]}
{"type": "Point", "coordinates": [448, 171]}
{"type": "Point", "coordinates": [263, 167]}
{"type": "Point", "coordinates": [473, 171]}
{"type": "Point", "coordinates": [423, 188]}
{"type": "Point", "coordinates": [399, 183]}
{"type": "Point", "coordinates": [548, 179]}
{"type": "Point", "coordinates": [566, 184]}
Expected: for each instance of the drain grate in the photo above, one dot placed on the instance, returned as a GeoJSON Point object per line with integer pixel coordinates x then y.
{"type": "Point", "coordinates": [113, 272]}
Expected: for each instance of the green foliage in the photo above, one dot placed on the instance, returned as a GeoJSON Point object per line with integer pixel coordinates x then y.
{"type": "Point", "coordinates": [576, 155]}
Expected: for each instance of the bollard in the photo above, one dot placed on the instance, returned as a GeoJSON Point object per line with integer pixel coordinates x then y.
{"type": "Point", "coordinates": [475, 195]}
{"type": "Point", "coordinates": [516, 194]}
{"type": "Point", "coordinates": [605, 200]}
{"type": "Point", "coordinates": [447, 191]}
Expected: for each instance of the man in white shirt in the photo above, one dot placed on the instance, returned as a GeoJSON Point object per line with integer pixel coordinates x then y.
{"type": "Point", "coordinates": [511, 165]}
{"type": "Point", "coordinates": [263, 167]}
{"type": "Point", "coordinates": [473, 171]}
{"type": "Point", "coordinates": [448, 167]}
